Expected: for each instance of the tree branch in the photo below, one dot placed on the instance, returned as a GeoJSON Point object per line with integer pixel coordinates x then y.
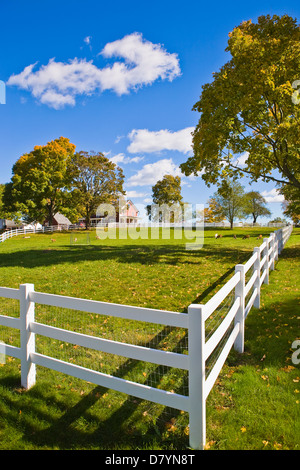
{"type": "Point", "coordinates": [272, 178]}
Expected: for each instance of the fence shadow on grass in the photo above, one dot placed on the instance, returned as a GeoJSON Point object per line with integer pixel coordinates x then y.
{"type": "Point", "coordinates": [213, 287]}
{"type": "Point", "coordinates": [270, 332]}
{"type": "Point", "coordinates": [128, 425]}
{"type": "Point", "coordinates": [291, 252]}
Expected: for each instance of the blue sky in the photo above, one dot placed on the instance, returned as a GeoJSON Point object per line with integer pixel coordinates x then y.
{"type": "Point", "coordinates": [119, 78]}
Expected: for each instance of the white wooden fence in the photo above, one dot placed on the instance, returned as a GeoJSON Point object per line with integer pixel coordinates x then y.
{"type": "Point", "coordinates": [44, 229]}
{"type": "Point", "coordinates": [199, 350]}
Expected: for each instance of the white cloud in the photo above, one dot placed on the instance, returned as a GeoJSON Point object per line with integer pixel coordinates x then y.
{"type": "Point", "coordinates": [58, 83]}
{"type": "Point", "coordinates": [272, 196]}
{"type": "Point", "coordinates": [145, 141]}
{"type": "Point", "coordinates": [242, 160]}
{"type": "Point", "coordinates": [87, 40]}
{"type": "Point", "coordinates": [121, 158]}
{"type": "Point", "coordinates": [135, 194]}
{"type": "Point", "coordinates": [119, 138]}
{"type": "Point", "coordinates": [151, 62]}
{"type": "Point", "coordinates": [148, 200]}
{"type": "Point", "coordinates": [56, 100]}
{"type": "Point", "coordinates": [152, 172]}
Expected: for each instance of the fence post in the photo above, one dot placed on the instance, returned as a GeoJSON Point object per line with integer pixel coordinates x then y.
{"type": "Point", "coordinates": [197, 401]}
{"type": "Point", "coordinates": [256, 267]}
{"type": "Point", "coordinates": [266, 265]}
{"type": "Point", "coordinates": [28, 372]}
{"type": "Point", "coordinates": [272, 267]}
{"type": "Point", "coordinates": [276, 245]}
{"type": "Point", "coordinates": [240, 314]}
{"type": "Point", "coordinates": [279, 241]}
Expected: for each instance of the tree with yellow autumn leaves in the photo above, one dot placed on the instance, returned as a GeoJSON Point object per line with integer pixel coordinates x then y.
{"type": "Point", "coordinates": [213, 213]}
{"type": "Point", "coordinates": [250, 113]}
{"type": "Point", "coordinates": [53, 178]}
{"type": "Point", "coordinates": [42, 180]}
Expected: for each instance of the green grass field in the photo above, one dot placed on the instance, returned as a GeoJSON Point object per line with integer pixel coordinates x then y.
{"type": "Point", "coordinates": [255, 401]}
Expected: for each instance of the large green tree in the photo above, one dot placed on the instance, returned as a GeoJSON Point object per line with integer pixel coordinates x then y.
{"type": "Point", "coordinates": [230, 198]}
{"type": "Point", "coordinates": [291, 204]}
{"type": "Point", "coordinates": [6, 210]}
{"type": "Point", "coordinates": [167, 190]}
{"type": "Point", "coordinates": [97, 180]}
{"type": "Point", "coordinates": [255, 206]}
{"type": "Point", "coordinates": [252, 107]}
{"type": "Point", "coordinates": [42, 181]}
{"type": "Point", "coordinates": [166, 194]}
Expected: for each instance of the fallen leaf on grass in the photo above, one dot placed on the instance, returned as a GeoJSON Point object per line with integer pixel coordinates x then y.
{"type": "Point", "coordinates": [288, 368]}
{"type": "Point", "coordinates": [209, 444]}
{"type": "Point", "coordinates": [170, 425]}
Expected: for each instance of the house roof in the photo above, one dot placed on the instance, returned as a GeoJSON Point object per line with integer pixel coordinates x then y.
{"type": "Point", "coordinates": [61, 219]}
{"type": "Point", "coordinates": [9, 223]}
{"type": "Point", "coordinates": [132, 204]}
{"type": "Point", "coordinates": [125, 206]}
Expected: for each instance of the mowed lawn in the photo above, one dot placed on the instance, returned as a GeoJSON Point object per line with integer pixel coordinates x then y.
{"type": "Point", "coordinates": [154, 273]}
{"type": "Point", "coordinates": [255, 401]}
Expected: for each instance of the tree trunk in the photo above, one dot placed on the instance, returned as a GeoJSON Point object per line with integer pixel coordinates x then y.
{"type": "Point", "coordinates": [50, 214]}
{"type": "Point", "coordinates": [87, 218]}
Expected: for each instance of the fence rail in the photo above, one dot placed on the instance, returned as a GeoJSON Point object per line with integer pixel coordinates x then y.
{"type": "Point", "coordinates": [25, 231]}
{"type": "Point", "coordinates": [199, 349]}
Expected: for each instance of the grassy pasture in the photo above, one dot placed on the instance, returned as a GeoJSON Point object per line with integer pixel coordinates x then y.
{"type": "Point", "coordinates": [65, 413]}
{"type": "Point", "coordinates": [154, 273]}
